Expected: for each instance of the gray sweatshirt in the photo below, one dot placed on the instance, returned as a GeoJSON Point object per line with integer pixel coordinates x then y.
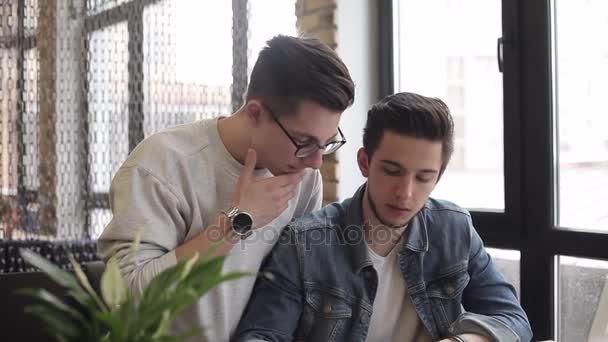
{"type": "Point", "coordinates": [171, 187]}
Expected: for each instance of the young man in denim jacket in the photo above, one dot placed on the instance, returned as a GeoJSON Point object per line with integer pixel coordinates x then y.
{"type": "Point", "coordinates": [390, 263]}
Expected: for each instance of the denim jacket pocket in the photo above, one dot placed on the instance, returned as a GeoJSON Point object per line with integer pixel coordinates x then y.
{"type": "Point", "coordinates": [328, 312]}
{"type": "Point", "coordinates": [445, 296]}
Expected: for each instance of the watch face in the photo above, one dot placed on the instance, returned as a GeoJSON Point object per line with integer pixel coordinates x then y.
{"type": "Point", "coordinates": [242, 223]}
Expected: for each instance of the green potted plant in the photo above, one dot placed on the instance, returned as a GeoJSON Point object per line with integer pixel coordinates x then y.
{"type": "Point", "coordinates": [114, 315]}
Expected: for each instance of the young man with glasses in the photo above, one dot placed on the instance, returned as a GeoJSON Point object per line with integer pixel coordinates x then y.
{"type": "Point", "coordinates": [390, 263]}
{"type": "Point", "coordinates": [214, 183]}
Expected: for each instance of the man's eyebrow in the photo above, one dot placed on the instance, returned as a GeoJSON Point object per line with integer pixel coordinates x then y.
{"type": "Point", "coordinates": [305, 136]}
{"type": "Point", "coordinates": [391, 162]}
{"type": "Point", "coordinates": [396, 164]}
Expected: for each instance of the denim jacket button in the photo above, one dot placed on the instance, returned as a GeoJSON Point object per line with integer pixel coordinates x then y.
{"type": "Point", "coordinates": [450, 290]}
{"type": "Point", "coordinates": [327, 308]}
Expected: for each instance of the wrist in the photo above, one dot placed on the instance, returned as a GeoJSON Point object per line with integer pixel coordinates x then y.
{"type": "Point", "coordinates": [225, 228]}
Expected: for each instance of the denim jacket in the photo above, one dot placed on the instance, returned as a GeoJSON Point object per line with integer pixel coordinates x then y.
{"type": "Point", "coordinates": [320, 283]}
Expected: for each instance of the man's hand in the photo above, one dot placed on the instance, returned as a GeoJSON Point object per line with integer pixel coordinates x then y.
{"type": "Point", "coordinates": [265, 199]}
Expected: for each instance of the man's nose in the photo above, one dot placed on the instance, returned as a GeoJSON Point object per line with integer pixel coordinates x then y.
{"type": "Point", "coordinates": [406, 187]}
{"type": "Point", "coordinates": [314, 160]}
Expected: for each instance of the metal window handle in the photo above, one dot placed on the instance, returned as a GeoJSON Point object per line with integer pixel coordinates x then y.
{"type": "Point", "coordinates": [499, 53]}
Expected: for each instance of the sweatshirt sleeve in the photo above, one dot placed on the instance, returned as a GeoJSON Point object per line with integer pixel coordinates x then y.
{"type": "Point", "coordinates": [141, 201]}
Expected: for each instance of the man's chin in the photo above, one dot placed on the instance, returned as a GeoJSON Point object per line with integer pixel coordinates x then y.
{"type": "Point", "coordinates": [396, 223]}
{"type": "Point", "coordinates": [286, 171]}
{"type": "Point", "coordinates": [279, 172]}
{"type": "Point", "coordinates": [399, 224]}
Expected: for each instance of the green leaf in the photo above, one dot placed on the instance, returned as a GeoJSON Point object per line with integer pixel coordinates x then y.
{"type": "Point", "coordinates": [89, 329]}
{"type": "Point", "coordinates": [61, 277]}
{"type": "Point", "coordinates": [84, 281]}
{"type": "Point", "coordinates": [113, 286]}
{"type": "Point", "coordinates": [61, 327]}
{"type": "Point", "coordinates": [163, 326]}
{"type": "Point", "coordinates": [166, 292]}
{"type": "Point", "coordinates": [188, 266]}
{"type": "Point", "coordinates": [212, 252]}
{"type": "Point", "coordinates": [185, 336]}
{"type": "Point", "coordinates": [146, 319]}
{"type": "Point", "coordinates": [83, 298]}
{"type": "Point", "coordinates": [204, 276]}
{"type": "Point", "coordinates": [204, 273]}
{"type": "Point", "coordinates": [54, 301]}
{"type": "Point", "coordinates": [129, 317]}
{"type": "Point", "coordinates": [162, 286]}
{"type": "Point", "coordinates": [134, 244]}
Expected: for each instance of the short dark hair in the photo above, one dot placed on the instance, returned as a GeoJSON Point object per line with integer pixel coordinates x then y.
{"type": "Point", "coordinates": [293, 69]}
{"type": "Point", "coordinates": [412, 115]}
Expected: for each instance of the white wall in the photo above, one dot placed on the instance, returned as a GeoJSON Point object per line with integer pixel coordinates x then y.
{"type": "Point", "coordinates": [357, 37]}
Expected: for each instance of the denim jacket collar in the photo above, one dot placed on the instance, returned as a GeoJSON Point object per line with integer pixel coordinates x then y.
{"type": "Point", "coordinates": [415, 238]}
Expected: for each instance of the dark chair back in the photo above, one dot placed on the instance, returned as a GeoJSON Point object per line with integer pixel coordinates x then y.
{"type": "Point", "coordinates": [17, 325]}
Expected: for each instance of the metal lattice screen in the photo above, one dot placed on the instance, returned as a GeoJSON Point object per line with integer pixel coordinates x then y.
{"type": "Point", "coordinates": [83, 81]}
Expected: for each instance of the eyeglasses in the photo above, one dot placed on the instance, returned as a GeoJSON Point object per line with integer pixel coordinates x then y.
{"type": "Point", "coordinates": [305, 150]}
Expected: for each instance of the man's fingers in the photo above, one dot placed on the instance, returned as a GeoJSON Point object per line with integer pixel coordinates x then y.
{"type": "Point", "coordinates": [247, 172]}
{"type": "Point", "coordinates": [286, 180]}
{"type": "Point", "coordinates": [289, 179]}
{"type": "Point", "coordinates": [287, 192]}
{"type": "Point", "coordinates": [289, 195]}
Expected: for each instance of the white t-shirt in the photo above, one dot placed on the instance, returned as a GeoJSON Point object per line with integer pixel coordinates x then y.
{"type": "Point", "coordinates": [394, 317]}
{"type": "Point", "coordinates": [172, 186]}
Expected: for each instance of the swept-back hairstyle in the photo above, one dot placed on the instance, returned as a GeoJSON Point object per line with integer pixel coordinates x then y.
{"type": "Point", "coordinates": [292, 69]}
{"type": "Point", "coordinates": [412, 115]}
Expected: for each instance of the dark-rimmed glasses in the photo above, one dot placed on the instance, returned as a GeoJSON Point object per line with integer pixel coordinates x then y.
{"type": "Point", "coordinates": [305, 150]}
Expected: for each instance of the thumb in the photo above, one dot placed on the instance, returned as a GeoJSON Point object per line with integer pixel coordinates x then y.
{"type": "Point", "coordinates": [247, 172]}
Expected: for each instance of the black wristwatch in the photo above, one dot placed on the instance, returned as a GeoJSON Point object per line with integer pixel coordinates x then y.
{"type": "Point", "coordinates": [240, 221]}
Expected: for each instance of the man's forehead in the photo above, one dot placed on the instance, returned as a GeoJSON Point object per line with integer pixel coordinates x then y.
{"type": "Point", "coordinates": [409, 152]}
{"type": "Point", "coordinates": [404, 166]}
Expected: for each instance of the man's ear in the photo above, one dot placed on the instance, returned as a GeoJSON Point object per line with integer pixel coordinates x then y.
{"type": "Point", "coordinates": [253, 110]}
{"type": "Point", "coordinates": [363, 161]}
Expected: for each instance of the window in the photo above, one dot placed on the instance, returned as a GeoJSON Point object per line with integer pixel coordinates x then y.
{"type": "Point", "coordinates": [456, 61]}
{"type": "Point", "coordinates": [581, 282]}
{"type": "Point", "coordinates": [580, 87]}
{"type": "Point", "coordinates": [531, 155]}
{"type": "Point", "coordinates": [111, 73]}
{"type": "Point", "coordinates": [261, 28]}
{"type": "Point", "coordinates": [19, 67]}
{"type": "Point", "coordinates": [108, 113]}
{"type": "Point", "coordinates": [507, 262]}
